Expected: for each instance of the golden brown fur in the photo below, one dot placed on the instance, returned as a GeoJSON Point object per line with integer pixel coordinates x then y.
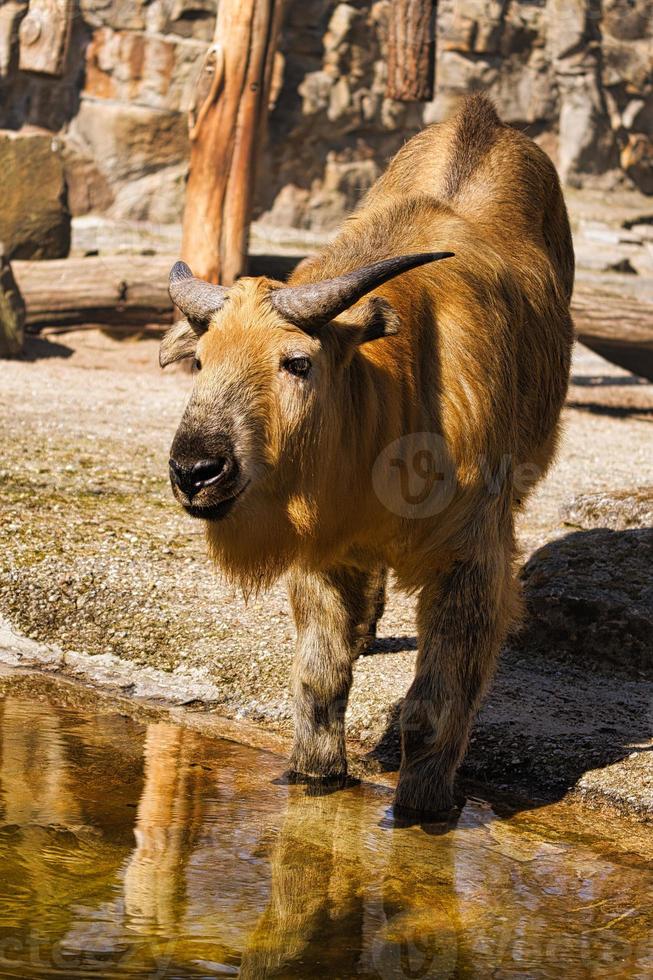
{"type": "Point", "coordinates": [481, 361]}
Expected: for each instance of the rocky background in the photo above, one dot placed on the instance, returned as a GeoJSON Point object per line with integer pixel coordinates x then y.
{"type": "Point", "coordinates": [109, 135]}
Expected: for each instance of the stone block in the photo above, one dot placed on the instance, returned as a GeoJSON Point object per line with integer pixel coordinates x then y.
{"type": "Point", "coordinates": [129, 141]}
{"type": "Point", "coordinates": [34, 218]}
{"type": "Point", "coordinates": [157, 198]}
{"type": "Point", "coordinates": [186, 18]}
{"type": "Point", "coordinates": [628, 20]}
{"type": "Point", "coordinates": [120, 14]}
{"type": "Point", "coordinates": [88, 188]}
{"type": "Point", "coordinates": [11, 14]}
{"type": "Point", "coordinates": [154, 71]}
{"type": "Point", "coordinates": [587, 144]}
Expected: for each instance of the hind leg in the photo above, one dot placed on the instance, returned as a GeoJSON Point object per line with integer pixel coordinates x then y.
{"type": "Point", "coordinates": [375, 607]}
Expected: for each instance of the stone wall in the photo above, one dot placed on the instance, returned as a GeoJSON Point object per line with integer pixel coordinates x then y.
{"type": "Point", "coordinates": [576, 74]}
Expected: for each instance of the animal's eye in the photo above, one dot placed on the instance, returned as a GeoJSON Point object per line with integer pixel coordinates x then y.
{"type": "Point", "coordinates": [299, 366]}
{"type": "Point", "coordinates": [197, 364]}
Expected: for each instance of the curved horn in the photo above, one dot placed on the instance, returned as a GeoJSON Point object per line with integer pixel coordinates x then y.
{"type": "Point", "coordinates": [314, 304]}
{"type": "Point", "coordinates": [196, 299]}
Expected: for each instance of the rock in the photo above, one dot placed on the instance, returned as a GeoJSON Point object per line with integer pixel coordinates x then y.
{"type": "Point", "coordinates": [34, 218]}
{"type": "Point", "coordinates": [141, 69]}
{"type": "Point", "coordinates": [627, 20]}
{"type": "Point", "coordinates": [637, 161]}
{"type": "Point", "coordinates": [289, 208]}
{"type": "Point", "coordinates": [315, 91]}
{"type": "Point", "coordinates": [351, 178]}
{"type": "Point", "coordinates": [12, 311]}
{"type": "Point", "coordinates": [617, 510]}
{"type": "Point", "coordinates": [321, 210]}
{"type": "Point", "coordinates": [586, 141]}
{"type": "Point", "coordinates": [624, 266]}
{"type": "Point", "coordinates": [129, 141]}
{"type": "Point", "coordinates": [120, 14]}
{"type": "Point", "coordinates": [340, 25]}
{"type": "Point", "coordinates": [589, 600]}
{"type": "Point", "coordinates": [188, 18]}
{"type": "Point", "coordinates": [11, 14]}
{"type": "Point", "coordinates": [578, 77]}
{"type": "Point", "coordinates": [157, 197]}
{"type": "Point", "coordinates": [88, 188]}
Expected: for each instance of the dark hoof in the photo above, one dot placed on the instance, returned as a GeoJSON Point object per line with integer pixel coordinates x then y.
{"type": "Point", "coordinates": [295, 776]}
{"type": "Point", "coordinates": [433, 821]}
{"type": "Point", "coordinates": [317, 785]}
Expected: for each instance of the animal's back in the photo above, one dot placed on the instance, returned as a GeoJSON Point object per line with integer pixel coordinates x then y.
{"type": "Point", "coordinates": [491, 367]}
{"type": "Point", "coordinates": [490, 174]}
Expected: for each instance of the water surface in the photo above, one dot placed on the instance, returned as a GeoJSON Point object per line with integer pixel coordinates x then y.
{"type": "Point", "coordinates": [132, 849]}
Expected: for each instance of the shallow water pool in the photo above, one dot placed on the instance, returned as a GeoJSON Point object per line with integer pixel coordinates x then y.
{"type": "Point", "coordinates": [144, 849]}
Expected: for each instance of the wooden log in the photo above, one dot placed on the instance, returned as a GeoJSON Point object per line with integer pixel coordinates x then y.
{"type": "Point", "coordinates": [619, 326]}
{"type": "Point", "coordinates": [116, 290]}
{"type": "Point", "coordinates": [131, 290]}
{"type": "Point", "coordinates": [226, 129]}
{"type": "Point", "coordinates": [411, 50]}
{"type": "Point", "coordinates": [122, 290]}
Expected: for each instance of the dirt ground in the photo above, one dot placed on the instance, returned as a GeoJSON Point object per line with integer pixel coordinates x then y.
{"type": "Point", "coordinates": [100, 568]}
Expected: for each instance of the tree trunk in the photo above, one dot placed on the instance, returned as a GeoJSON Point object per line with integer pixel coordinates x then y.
{"type": "Point", "coordinates": [226, 129]}
{"type": "Point", "coordinates": [411, 50]}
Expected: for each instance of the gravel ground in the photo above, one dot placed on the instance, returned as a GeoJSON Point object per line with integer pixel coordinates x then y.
{"type": "Point", "coordinates": [100, 567]}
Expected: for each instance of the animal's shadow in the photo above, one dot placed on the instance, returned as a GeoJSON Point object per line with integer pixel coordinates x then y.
{"type": "Point", "coordinates": [574, 688]}
{"type": "Point", "coordinates": [37, 348]}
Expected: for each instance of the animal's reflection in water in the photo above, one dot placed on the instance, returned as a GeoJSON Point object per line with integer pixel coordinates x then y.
{"type": "Point", "coordinates": [342, 897]}
{"type": "Point", "coordinates": [153, 851]}
{"type": "Point", "coordinates": [339, 893]}
{"type": "Point", "coordinates": [282, 880]}
{"type": "Point", "coordinates": [168, 824]}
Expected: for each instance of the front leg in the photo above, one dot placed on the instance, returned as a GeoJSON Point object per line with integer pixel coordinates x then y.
{"type": "Point", "coordinates": [329, 608]}
{"type": "Point", "coordinates": [463, 617]}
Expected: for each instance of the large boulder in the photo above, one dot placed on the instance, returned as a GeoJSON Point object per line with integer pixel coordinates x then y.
{"type": "Point", "coordinates": [614, 509]}
{"type": "Point", "coordinates": [589, 599]}
{"type": "Point", "coordinates": [34, 218]}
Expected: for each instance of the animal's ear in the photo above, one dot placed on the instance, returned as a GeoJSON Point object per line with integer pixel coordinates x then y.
{"type": "Point", "coordinates": [374, 319]}
{"type": "Point", "coordinates": [179, 342]}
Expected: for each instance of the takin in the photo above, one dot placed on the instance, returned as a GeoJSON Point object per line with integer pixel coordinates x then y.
{"type": "Point", "coordinates": [390, 407]}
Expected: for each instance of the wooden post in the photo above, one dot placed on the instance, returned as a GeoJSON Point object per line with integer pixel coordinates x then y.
{"type": "Point", "coordinates": [411, 50]}
{"type": "Point", "coordinates": [226, 129]}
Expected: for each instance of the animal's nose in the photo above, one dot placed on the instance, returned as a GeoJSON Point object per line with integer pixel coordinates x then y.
{"type": "Point", "coordinates": [203, 473]}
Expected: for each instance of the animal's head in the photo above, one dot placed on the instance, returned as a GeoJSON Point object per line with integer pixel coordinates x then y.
{"type": "Point", "coordinates": [270, 361]}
